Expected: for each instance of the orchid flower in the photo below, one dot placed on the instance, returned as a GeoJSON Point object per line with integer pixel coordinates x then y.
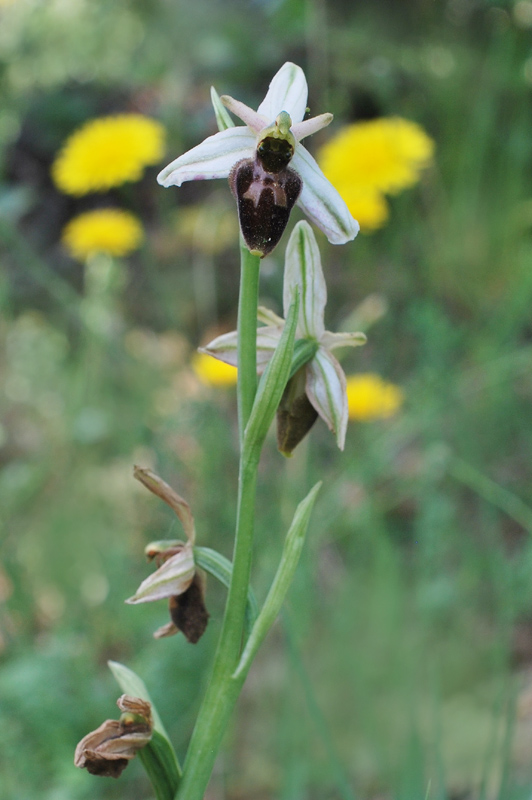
{"type": "Point", "coordinates": [269, 140]}
{"type": "Point", "coordinates": [324, 378]}
{"type": "Point", "coordinates": [176, 578]}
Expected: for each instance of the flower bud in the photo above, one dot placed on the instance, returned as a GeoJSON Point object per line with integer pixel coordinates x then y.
{"type": "Point", "coordinates": [107, 750]}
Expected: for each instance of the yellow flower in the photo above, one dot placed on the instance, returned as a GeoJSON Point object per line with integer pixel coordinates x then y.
{"type": "Point", "coordinates": [107, 152]}
{"type": "Point", "coordinates": [106, 230]}
{"type": "Point", "coordinates": [213, 372]}
{"type": "Point", "coordinates": [369, 397]}
{"type": "Point", "coordinates": [366, 160]}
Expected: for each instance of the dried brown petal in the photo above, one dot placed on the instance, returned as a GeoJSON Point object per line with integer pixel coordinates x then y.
{"type": "Point", "coordinates": [107, 750]}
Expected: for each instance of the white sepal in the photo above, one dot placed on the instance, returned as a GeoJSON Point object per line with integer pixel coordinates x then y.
{"type": "Point", "coordinates": [288, 92]}
{"type": "Point", "coordinates": [303, 270]}
{"type": "Point", "coordinates": [225, 347]}
{"type": "Point", "coordinates": [320, 201]}
{"type": "Point", "coordinates": [213, 158]}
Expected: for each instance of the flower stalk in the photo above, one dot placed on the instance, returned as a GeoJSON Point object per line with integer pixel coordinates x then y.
{"type": "Point", "coordinates": [290, 353]}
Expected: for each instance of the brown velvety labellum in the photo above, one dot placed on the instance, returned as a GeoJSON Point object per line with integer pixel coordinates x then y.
{"type": "Point", "coordinates": [294, 421]}
{"type": "Point", "coordinates": [188, 611]}
{"type": "Point", "coordinates": [265, 200]}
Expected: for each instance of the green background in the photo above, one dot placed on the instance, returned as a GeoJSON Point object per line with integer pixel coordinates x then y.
{"type": "Point", "coordinates": [401, 667]}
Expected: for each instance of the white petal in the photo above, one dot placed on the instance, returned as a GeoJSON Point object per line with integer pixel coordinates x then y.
{"type": "Point", "coordinates": [173, 578]}
{"type": "Point", "coordinates": [268, 317]}
{"type": "Point", "coordinates": [333, 340]}
{"type": "Point", "coordinates": [288, 92]}
{"type": "Point", "coordinates": [256, 122]}
{"type": "Point", "coordinates": [309, 126]}
{"type": "Point", "coordinates": [213, 158]}
{"type": "Point", "coordinates": [303, 269]}
{"type": "Point", "coordinates": [320, 201]}
{"type": "Point", "coordinates": [326, 390]}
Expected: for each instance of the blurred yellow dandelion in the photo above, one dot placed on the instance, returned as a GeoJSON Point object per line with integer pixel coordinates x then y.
{"type": "Point", "coordinates": [366, 160]}
{"type": "Point", "coordinates": [368, 207]}
{"type": "Point", "coordinates": [213, 372]}
{"type": "Point", "coordinates": [107, 152]}
{"type": "Point", "coordinates": [106, 230]}
{"type": "Point", "coordinates": [370, 398]}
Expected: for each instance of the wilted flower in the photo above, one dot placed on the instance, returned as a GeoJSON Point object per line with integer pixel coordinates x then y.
{"type": "Point", "coordinates": [105, 230]}
{"type": "Point", "coordinates": [107, 152]}
{"type": "Point", "coordinates": [367, 160]}
{"type": "Point", "coordinates": [108, 750]}
{"type": "Point", "coordinates": [255, 158]}
{"type": "Point", "coordinates": [176, 578]}
{"type": "Point", "coordinates": [369, 397]}
{"type": "Point", "coordinates": [319, 387]}
{"type": "Point", "coordinates": [213, 372]}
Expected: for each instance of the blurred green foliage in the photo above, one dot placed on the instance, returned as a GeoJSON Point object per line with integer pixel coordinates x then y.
{"type": "Point", "coordinates": [397, 669]}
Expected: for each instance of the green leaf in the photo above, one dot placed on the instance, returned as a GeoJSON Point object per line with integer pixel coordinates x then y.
{"type": "Point", "coordinates": [158, 757]}
{"type": "Point", "coordinates": [221, 568]}
{"type": "Point", "coordinates": [295, 539]}
{"type": "Point", "coordinates": [222, 114]}
{"type": "Point", "coordinates": [271, 387]}
{"type": "Point", "coordinates": [159, 761]}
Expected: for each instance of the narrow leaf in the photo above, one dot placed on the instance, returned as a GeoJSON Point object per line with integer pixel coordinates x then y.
{"type": "Point", "coordinates": [271, 386]}
{"type": "Point", "coordinates": [221, 568]}
{"type": "Point", "coordinates": [293, 546]}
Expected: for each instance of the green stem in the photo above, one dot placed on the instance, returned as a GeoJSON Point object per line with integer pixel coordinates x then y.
{"type": "Point", "coordinates": [247, 335]}
{"type": "Point", "coordinates": [223, 690]}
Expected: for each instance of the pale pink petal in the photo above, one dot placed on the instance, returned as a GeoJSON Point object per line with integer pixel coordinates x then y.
{"type": "Point", "coordinates": [213, 158]}
{"type": "Point", "coordinates": [288, 92]}
{"type": "Point", "coordinates": [256, 122]}
{"type": "Point", "coordinates": [303, 270]}
{"type": "Point", "coordinates": [310, 126]}
{"type": "Point", "coordinates": [326, 390]}
{"type": "Point", "coordinates": [268, 317]}
{"type": "Point", "coordinates": [320, 201]}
